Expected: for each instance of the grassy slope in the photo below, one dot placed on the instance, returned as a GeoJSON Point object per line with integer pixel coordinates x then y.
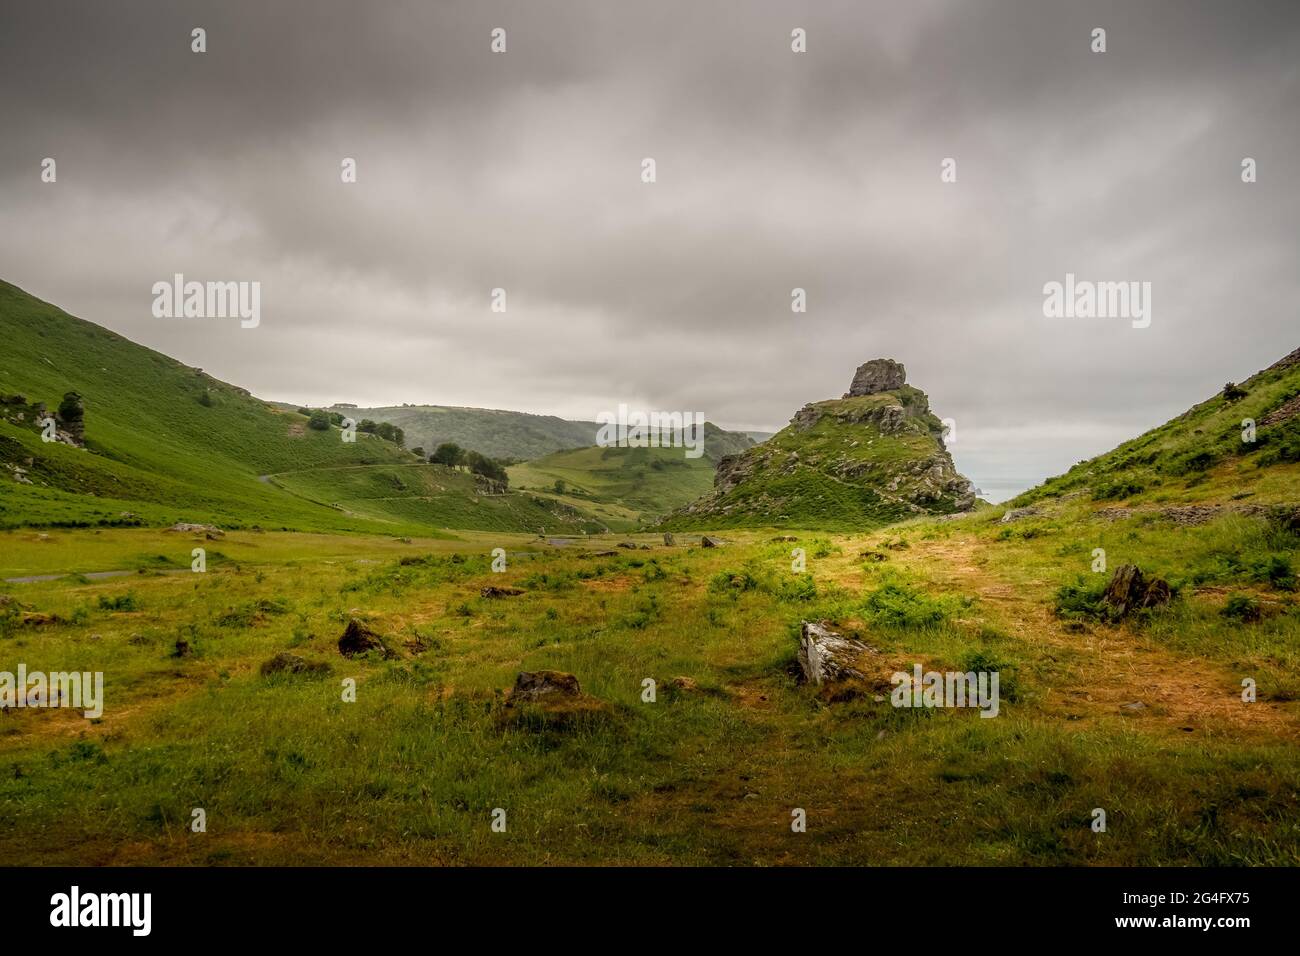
{"type": "Point", "coordinates": [155, 451]}
{"type": "Point", "coordinates": [622, 486]}
{"type": "Point", "coordinates": [492, 432]}
{"type": "Point", "coordinates": [1200, 455]}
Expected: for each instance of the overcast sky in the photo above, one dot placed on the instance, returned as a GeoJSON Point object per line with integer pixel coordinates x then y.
{"type": "Point", "coordinates": [775, 170]}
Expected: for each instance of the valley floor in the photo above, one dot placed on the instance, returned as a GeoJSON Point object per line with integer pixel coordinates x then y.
{"type": "Point", "coordinates": [1143, 719]}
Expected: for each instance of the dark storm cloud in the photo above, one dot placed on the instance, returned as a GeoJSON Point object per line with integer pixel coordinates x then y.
{"type": "Point", "coordinates": [775, 170]}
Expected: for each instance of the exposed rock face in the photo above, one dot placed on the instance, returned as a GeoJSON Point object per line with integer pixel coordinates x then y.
{"type": "Point", "coordinates": [878, 375]}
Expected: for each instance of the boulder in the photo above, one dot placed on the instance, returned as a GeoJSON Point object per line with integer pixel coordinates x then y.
{"type": "Point", "coordinates": [286, 663]}
{"type": "Point", "coordinates": [1015, 514]}
{"type": "Point", "coordinates": [828, 657]}
{"type": "Point", "coordinates": [492, 591]}
{"type": "Point", "coordinates": [1129, 590]}
{"type": "Point", "coordinates": [707, 542]}
{"type": "Point", "coordinates": [532, 686]}
{"type": "Point", "coordinates": [669, 540]}
{"type": "Point", "coordinates": [358, 639]}
{"type": "Point", "coordinates": [878, 375]}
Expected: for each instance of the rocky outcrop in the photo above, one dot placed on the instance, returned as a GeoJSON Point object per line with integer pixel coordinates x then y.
{"type": "Point", "coordinates": [878, 375]}
{"type": "Point", "coordinates": [873, 457]}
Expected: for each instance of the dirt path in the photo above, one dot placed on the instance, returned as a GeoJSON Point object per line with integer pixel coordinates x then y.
{"type": "Point", "coordinates": [1108, 671]}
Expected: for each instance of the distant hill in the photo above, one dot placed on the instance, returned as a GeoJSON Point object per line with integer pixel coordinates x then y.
{"type": "Point", "coordinates": [872, 457]}
{"type": "Point", "coordinates": [623, 487]}
{"type": "Point", "coordinates": [1203, 455]}
{"type": "Point", "coordinates": [519, 436]}
{"type": "Point", "coordinates": [492, 432]}
{"type": "Point", "coordinates": [165, 442]}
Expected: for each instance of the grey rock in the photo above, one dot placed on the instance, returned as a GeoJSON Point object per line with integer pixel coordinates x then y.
{"type": "Point", "coordinates": [878, 375]}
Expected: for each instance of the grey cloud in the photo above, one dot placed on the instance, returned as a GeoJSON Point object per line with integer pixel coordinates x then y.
{"type": "Point", "coordinates": [775, 171]}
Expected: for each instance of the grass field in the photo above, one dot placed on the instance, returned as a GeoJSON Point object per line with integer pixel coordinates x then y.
{"type": "Point", "coordinates": [287, 772]}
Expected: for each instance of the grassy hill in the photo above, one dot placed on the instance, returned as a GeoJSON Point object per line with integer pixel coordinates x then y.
{"type": "Point", "coordinates": [165, 442]}
{"type": "Point", "coordinates": [1202, 455]}
{"type": "Point", "coordinates": [489, 431]}
{"type": "Point", "coordinates": [517, 436]}
{"type": "Point", "coordinates": [623, 487]}
{"type": "Point", "coordinates": [856, 462]}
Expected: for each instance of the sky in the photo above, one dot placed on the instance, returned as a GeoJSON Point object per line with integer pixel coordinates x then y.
{"type": "Point", "coordinates": [774, 170]}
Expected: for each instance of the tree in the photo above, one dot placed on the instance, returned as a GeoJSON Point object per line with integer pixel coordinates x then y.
{"type": "Point", "coordinates": [487, 468]}
{"type": "Point", "coordinates": [560, 486]}
{"type": "Point", "coordinates": [449, 454]}
{"type": "Point", "coordinates": [320, 420]}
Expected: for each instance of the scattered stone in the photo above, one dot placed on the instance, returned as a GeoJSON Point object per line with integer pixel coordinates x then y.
{"type": "Point", "coordinates": [37, 619]}
{"type": "Point", "coordinates": [783, 537]}
{"type": "Point", "coordinates": [877, 375]}
{"type": "Point", "coordinates": [669, 540]}
{"type": "Point", "coordinates": [1015, 514]}
{"type": "Point", "coordinates": [1136, 707]}
{"type": "Point", "coordinates": [492, 591]}
{"type": "Point", "coordinates": [182, 649]}
{"type": "Point", "coordinates": [707, 542]}
{"type": "Point", "coordinates": [551, 701]}
{"type": "Point", "coordinates": [684, 683]}
{"type": "Point", "coordinates": [358, 639]}
{"type": "Point", "coordinates": [602, 554]}
{"type": "Point", "coordinates": [212, 531]}
{"type": "Point", "coordinates": [1129, 590]}
{"type": "Point", "coordinates": [286, 663]}
{"type": "Point", "coordinates": [538, 685]}
{"type": "Point", "coordinates": [828, 657]}
{"type": "Point", "coordinates": [874, 556]}
{"type": "Point", "coordinates": [627, 544]}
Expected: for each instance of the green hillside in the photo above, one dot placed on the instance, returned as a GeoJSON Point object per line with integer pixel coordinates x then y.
{"type": "Point", "coordinates": [489, 431]}
{"type": "Point", "coordinates": [165, 442]}
{"type": "Point", "coordinates": [1202, 455]}
{"type": "Point", "coordinates": [515, 436]}
{"type": "Point", "coordinates": [623, 487]}
{"type": "Point", "coordinates": [857, 462]}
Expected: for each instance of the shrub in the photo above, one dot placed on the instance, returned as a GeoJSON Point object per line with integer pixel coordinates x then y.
{"type": "Point", "coordinates": [799, 588]}
{"type": "Point", "coordinates": [1116, 490]}
{"type": "Point", "coordinates": [319, 420]}
{"type": "Point", "coordinates": [733, 582]}
{"type": "Point", "coordinates": [1082, 600]}
{"type": "Point", "coordinates": [1241, 607]}
{"type": "Point", "coordinates": [1277, 571]}
{"type": "Point", "coordinates": [898, 605]}
{"type": "Point", "coordinates": [123, 602]}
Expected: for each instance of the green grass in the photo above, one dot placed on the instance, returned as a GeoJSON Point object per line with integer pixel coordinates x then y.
{"type": "Point", "coordinates": [289, 773]}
